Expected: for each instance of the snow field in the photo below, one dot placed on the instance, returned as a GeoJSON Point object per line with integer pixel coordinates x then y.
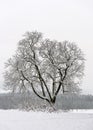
{"type": "Point", "coordinates": [20, 120]}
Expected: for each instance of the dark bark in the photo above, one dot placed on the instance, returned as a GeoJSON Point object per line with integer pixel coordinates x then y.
{"type": "Point", "coordinates": [53, 88]}
{"type": "Point", "coordinates": [42, 80]}
{"type": "Point", "coordinates": [57, 91]}
{"type": "Point", "coordinates": [44, 98]}
{"type": "Point", "coordinates": [53, 100]}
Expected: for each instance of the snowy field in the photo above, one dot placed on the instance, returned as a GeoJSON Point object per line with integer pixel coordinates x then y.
{"type": "Point", "coordinates": [20, 120]}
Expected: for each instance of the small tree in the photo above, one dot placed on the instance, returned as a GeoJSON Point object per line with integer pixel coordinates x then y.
{"type": "Point", "coordinates": [45, 66]}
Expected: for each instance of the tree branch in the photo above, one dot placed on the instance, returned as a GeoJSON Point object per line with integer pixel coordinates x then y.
{"type": "Point", "coordinates": [34, 89]}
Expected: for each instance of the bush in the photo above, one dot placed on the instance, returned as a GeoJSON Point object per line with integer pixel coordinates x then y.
{"type": "Point", "coordinates": [28, 101]}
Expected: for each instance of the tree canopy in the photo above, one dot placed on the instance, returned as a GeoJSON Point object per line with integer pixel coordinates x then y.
{"type": "Point", "coordinates": [47, 67]}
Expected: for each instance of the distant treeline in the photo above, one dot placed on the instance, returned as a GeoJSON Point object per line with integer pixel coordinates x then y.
{"type": "Point", "coordinates": [28, 101]}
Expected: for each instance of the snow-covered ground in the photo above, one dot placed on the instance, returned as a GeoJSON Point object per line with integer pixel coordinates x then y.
{"type": "Point", "coordinates": [20, 120]}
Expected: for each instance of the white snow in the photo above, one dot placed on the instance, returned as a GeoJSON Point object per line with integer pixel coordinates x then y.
{"type": "Point", "coordinates": [20, 120]}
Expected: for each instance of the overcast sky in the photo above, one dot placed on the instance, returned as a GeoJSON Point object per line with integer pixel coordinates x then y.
{"type": "Point", "coordinates": [57, 19]}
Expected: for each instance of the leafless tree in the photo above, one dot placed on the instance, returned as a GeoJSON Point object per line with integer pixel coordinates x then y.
{"type": "Point", "coordinates": [47, 67]}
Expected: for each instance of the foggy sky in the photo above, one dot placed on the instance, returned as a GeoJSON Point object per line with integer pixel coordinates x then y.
{"type": "Point", "coordinates": [57, 19]}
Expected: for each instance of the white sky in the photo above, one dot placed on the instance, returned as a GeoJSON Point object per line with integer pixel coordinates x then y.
{"type": "Point", "coordinates": [58, 19]}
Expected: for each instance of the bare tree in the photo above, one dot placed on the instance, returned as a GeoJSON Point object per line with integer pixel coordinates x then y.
{"type": "Point", "coordinates": [46, 66]}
